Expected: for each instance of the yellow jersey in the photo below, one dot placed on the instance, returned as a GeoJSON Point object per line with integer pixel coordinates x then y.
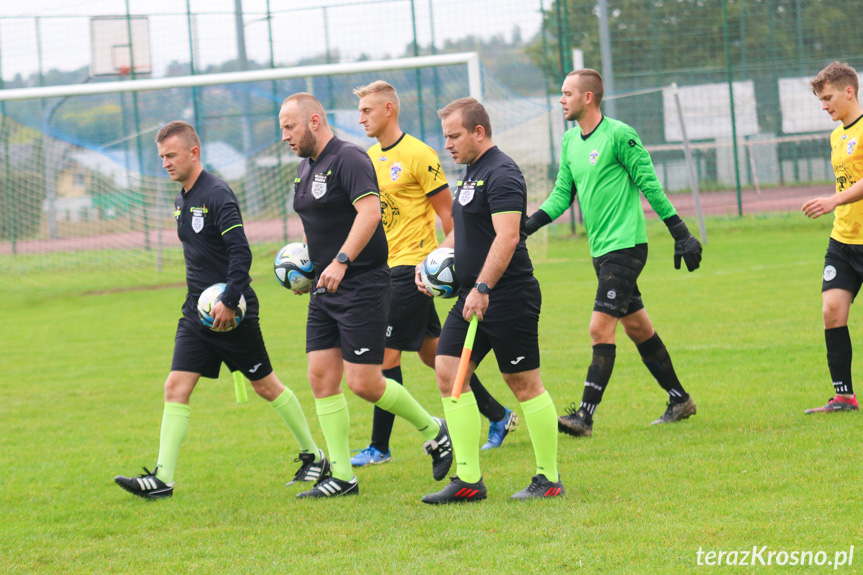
{"type": "Point", "coordinates": [409, 173]}
{"type": "Point", "coordinates": [847, 159]}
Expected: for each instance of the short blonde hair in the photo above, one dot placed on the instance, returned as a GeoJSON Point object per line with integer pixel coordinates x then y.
{"type": "Point", "coordinates": [838, 75]}
{"type": "Point", "coordinates": [384, 90]}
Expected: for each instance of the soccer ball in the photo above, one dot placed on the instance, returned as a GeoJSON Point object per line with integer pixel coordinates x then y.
{"type": "Point", "coordinates": [293, 267]}
{"type": "Point", "coordinates": [438, 273]}
{"type": "Point", "coordinates": [209, 298]}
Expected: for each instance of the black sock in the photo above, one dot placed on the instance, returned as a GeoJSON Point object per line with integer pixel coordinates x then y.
{"type": "Point", "coordinates": [658, 362]}
{"type": "Point", "coordinates": [598, 375]}
{"type": "Point", "coordinates": [487, 405]}
{"type": "Point", "coordinates": [839, 358]}
{"type": "Point", "coordinates": [382, 425]}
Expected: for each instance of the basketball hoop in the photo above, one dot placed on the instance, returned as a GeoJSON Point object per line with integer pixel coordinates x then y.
{"type": "Point", "coordinates": [124, 70]}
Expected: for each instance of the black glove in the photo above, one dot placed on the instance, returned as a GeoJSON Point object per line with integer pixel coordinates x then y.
{"type": "Point", "coordinates": [538, 219]}
{"type": "Point", "coordinates": [686, 246]}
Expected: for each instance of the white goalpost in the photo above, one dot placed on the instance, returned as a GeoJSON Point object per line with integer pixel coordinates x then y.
{"type": "Point", "coordinates": [469, 59]}
{"type": "Point", "coordinates": [84, 185]}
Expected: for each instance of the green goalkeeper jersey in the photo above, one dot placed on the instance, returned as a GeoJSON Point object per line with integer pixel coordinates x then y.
{"type": "Point", "coordinates": [605, 170]}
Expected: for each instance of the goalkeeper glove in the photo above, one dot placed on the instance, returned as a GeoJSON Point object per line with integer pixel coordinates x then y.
{"type": "Point", "coordinates": [538, 219]}
{"type": "Point", "coordinates": [686, 246]}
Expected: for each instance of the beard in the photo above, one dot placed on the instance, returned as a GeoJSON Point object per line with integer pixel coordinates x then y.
{"type": "Point", "coordinates": [307, 144]}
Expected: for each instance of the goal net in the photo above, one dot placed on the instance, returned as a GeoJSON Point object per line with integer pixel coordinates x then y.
{"type": "Point", "coordinates": [83, 187]}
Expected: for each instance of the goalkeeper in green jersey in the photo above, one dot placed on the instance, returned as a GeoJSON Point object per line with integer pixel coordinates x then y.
{"type": "Point", "coordinates": [604, 165]}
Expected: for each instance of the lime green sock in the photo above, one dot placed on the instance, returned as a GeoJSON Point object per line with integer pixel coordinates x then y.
{"type": "Point", "coordinates": [541, 418]}
{"type": "Point", "coordinates": [175, 424]}
{"type": "Point", "coordinates": [399, 401]}
{"type": "Point", "coordinates": [288, 407]}
{"type": "Point", "coordinates": [462, 418]}
{"type": "Point", "coordinates": [335, 423]}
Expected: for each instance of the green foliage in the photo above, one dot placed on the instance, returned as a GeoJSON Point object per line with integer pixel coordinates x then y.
{"type": "Point", "coordinates": [81, 401]}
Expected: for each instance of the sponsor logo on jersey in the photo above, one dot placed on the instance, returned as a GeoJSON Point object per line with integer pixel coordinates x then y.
{"type": "Point", "coordinates": [319, 186]}
{"type": "Point", "coordinates": [395, 171]}
{"type": "Point", "coordinates": [438, 171]}
{"type": "Point", "coordinates": [594, 154]}
{"type": "Point", "coordinates": [852, 143]}
{"type": "Point", "coordinates": [829, 273]}
{"type": "Point", "coordinates": [390, 212]}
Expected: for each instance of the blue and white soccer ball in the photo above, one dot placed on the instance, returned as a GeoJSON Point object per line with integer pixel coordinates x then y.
{"type": "Point", "coordinates": [293, 267]}
{"type": "Point", "coordinates": [209, 298]}
{"type": "Point", "coordinates": [438, 273]}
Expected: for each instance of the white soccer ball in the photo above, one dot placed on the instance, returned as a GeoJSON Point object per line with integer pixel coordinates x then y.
{"type": "Point", "coordinates": [293, 267]}
{"type": "Point", "coordinates": [207, 301]}
{"type": "Point", "coordinates": [438, 273]}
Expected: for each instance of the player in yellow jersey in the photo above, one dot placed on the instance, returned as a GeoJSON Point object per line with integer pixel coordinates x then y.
{"type": "Point", "coordinates": [836, 86]}
{"type": "Point", "coordinates": [413, 189]}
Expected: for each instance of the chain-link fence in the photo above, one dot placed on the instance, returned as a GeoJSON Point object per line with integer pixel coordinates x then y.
{"type": "Point", "coordinates": [75, 168]}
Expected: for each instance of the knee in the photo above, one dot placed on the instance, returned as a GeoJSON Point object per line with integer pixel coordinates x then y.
{"type": "Point", "coordinates": [269, 387]}
{"type": "Point", "coordinates": [177, 391]}
{"type": "Point", "coordinates": [831, 313]}
{"type": "Point", "coordinates": [427, 358]}
{"type": "Point", "coordinates": [369, 388]}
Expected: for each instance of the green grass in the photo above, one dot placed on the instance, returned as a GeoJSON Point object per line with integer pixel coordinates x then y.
{"type": "Point", "coordinates": [81, 401]}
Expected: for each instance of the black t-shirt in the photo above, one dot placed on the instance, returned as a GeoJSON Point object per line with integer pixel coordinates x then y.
{"type": "Point", "coordinates": [491, 185]}
{"type": "Point", "coordinates": [214, 244]}
{"type": "Point", "coordinates": [324, 195]}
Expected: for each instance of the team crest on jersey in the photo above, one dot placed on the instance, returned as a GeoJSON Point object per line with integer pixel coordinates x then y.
{"type": "Point", "coordinates": [395, 171]}
{"type": "Point", "coordinates": [465, 195]}
{"type": "Point", "coordinates": [852, 143]}
{"type": "Point", "coordinates": [319, 186]}
{"type": "Point", "coordinates": [594, 154]}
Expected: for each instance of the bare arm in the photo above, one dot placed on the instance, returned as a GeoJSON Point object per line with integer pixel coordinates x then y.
{"type": "Point", "coordinates": [819, 206]}
{"type": "Point", "coordinates": [368, 218]}
{"type": "Point", "coordinates": [506, 229]}
{"type": "Point", "coordinates": [441, 202]}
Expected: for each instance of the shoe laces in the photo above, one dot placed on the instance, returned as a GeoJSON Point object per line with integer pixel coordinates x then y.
{"type": "Point", "coordinates": [148, 473]}
{"type": "Point", "coordinates": [535, 484]}
{"type": "Point", "coordinates": [572, 409]}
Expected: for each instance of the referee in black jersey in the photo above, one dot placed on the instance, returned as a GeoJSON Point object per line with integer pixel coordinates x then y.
{"type": "Point", "coordinates": [498, 287]}
{"type": "Point", "coordinates": [337, 198]}
{"type": "Point", "coordinates": [215, 248]}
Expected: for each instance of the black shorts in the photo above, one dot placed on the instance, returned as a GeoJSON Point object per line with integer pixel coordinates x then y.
{"type": "Point", "coordinates": [843, 267]}
{"type": "Point", "coordinates": [510, 328]}
{"type": "Point", "coordinates": [199, 349]}
{"type": "Point", "coordinates": [617, 293]}
{"type": "Point", "coordinates": [412, 313]}
{"type": "Point", "coordinates": [354, 318]}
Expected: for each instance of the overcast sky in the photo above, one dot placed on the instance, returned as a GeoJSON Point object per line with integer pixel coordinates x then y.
{"type": "Point", "coordinates": [65, 31]}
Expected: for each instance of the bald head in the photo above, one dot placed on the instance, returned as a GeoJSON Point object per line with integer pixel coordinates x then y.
{"type": "Point", "coordinates": [307, 106]}
{"type": "Point", "coordinates": [304, 125]}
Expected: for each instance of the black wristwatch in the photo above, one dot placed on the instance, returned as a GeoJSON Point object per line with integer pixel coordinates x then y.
{"type": "Point", "coordinates": [482, 288]}
{"type": "Point", "coordinates": [343, 258]}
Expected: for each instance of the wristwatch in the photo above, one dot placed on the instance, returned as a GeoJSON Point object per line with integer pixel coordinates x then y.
{"type": "Point", "coordinates": [482, 288]}
{"type": "Point", "coordinates": [343, 258]}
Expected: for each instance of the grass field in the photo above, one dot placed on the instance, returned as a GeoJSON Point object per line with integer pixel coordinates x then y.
{"type": "Point", "coordinates": [81, 401]}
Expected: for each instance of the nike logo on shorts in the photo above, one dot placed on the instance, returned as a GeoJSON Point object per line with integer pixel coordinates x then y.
{"type": "Point", "coordinates": [516, 360]}
{"type": "Point", "coordinates": [361, 351]}
{"type": "Point", "coordinates": [254, 369]}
